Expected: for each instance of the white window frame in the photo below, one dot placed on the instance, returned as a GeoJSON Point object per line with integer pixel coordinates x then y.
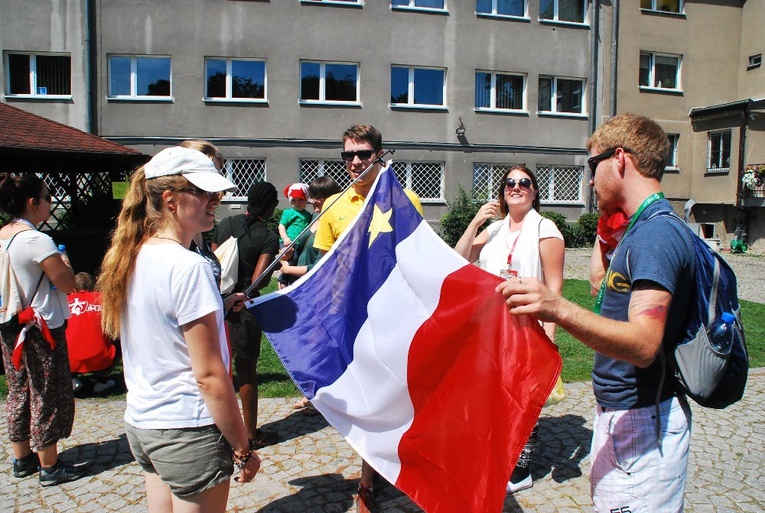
{"type": "Point", "coordinates": [712, 140]}
{"type": "Point", "coordinates": [672, 162]}
{"type": "Point", "coordinates": [323, 83]}
{"type": "Point", "coordinates": [556, 14]}
{"type": "Point", "coordinates": [134, 79]}
{"type": "Point", "coordinates": [404, 171]}
{"type": "Point", "coordinates": [550, 184]}
{"type": "Point", "coordinates": [413, 7]}
{"type": "Point", "coordinates": [410, 90]}
{"type": "Point", "coordinates": [493, 99]}
{"type": "Point", "coordinates": [34, 88]}
{"type": "Point", "coordinates": [243, 186]}
{"type": "Point", "coordinates": [652, 71]}
{"type": "Point", "coordinates": [495, 14]}
{"type": "Point", "coordinates": [554, 94]}
{"type": "Point", "coordinates": [654, 7]}
{"type": "Point", "coordinates": [230, 82]}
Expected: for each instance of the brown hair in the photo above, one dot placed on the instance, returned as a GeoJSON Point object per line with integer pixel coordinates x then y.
{"type": "Point", "coordinates": [15, 190]}
{"type": "Point", "coordinates": [366, 133]}
{"type": "Point", "coordinates": [208, 149]}
{"type": "Point", "coordinates": [642, 138]}
{"type": "Point", "coordinates": [501, 190]}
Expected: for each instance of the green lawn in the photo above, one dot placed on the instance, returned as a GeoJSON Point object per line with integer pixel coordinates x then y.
{"type": "Point", "coordinates": [577, 358]}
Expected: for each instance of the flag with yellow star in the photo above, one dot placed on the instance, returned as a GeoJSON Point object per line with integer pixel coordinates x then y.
{"type": "Point", "coordinates": [408, 351]}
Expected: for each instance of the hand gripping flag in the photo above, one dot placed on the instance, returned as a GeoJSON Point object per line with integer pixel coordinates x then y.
{"type": "Point", "coordinates": [408, 351]}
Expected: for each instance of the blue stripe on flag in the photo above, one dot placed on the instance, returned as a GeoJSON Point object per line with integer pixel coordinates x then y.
{"type": "Point", "coordinates": [313, 326]}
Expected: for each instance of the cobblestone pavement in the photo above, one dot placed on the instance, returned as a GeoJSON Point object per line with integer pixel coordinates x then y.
{"type": "Point", "coordinates": [313, 470]}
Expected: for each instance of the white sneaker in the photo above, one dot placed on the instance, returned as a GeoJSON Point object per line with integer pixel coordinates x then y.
{"type": "Point", "coordinates": [103, 387]}
{"type": "Point", "coordinates": [523, 484]}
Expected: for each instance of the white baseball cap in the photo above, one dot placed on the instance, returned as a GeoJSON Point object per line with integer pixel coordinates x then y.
{"type": "Point", "coordinates": [195, 166]}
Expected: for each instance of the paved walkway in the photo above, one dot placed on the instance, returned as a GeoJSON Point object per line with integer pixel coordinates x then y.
{"type": "Point", "coordinates": [313, 470]}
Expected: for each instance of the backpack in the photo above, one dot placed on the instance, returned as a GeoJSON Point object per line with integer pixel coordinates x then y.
{"type": "Point", "coordinates": [701, 373]}
{"type": "Point", "coordinates": [10, 300]}
{"type": "Point", "coordinates": [228, 255]}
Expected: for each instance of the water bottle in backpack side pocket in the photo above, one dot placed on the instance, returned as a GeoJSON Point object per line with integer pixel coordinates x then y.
{"type": "Point", "coordinates": [721, 333]}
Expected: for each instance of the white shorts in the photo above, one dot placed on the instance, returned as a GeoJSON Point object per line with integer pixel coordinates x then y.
{"type": "Point", "coordinates": [630, 471]}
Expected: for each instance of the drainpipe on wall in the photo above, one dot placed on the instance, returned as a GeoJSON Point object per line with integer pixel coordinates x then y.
{"type": "Point", "coordinates": [91, 65]}
{"type": "Point", "coordinates": [594, 64]}
{"type": "Point", "coordinates": [614, 53]}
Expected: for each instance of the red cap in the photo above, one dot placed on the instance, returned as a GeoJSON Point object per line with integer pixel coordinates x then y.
{"type": "Point", "coordinates": [296, 190]}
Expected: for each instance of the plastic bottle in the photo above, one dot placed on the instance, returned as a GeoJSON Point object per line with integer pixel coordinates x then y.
{"type": "Point", "coordinates": [721, 333]}
{"type": "Point", "coordinates": [508, 272]}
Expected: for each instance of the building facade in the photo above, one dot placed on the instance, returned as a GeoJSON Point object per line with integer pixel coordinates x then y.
{"type": "Point", "coordinates": [459, 89]}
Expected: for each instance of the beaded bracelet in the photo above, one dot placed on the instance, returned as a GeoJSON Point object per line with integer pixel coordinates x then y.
{"type": "Point", "coordinates": [241, 461]}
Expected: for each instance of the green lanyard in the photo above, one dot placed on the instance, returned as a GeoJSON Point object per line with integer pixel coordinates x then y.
{"type": "Point", "coordinates": [649, 200]}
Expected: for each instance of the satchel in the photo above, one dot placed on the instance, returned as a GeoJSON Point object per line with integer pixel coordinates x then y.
{"type": "Point", "coordinates": [228, 254]}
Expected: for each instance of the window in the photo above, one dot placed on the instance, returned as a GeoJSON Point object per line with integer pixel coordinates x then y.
{"type": "Point", "coordinates": [561, 95]}
{"type": "Point", "coordinates": [329, 82]}
{"type": "Point", "coordinates": [674, 139]}
{"type": "Point", "coordinates": [419, 4]}
{"type": "Point", "coordinates": [718, 154]}
{"type": "Point", "coordinates": [38, 75]}
{"type": "Point", "coordinates": [571, 11]}
{"type": "Point", "coordinates": [659, 71]}
{"type": "Point", "coordinates": [426, 179]}
{"type": "Point", "coordinates": [755, 61]}
{"type": "Point", "coordinates": [515, 8]}
{"type": "Point", "coordinates": [675, 6]}
{"type": "Point", "coordinates": [229, 79]}
{"type": "Point", "coordinates": [499, 91]}
{"type": "Point", "coordinates": [243, 172]}
{"type": "Point", "coordinates": [139, 77]}
{"type": "Point", "coordinates": [486, 180]}
{"type": "Point", "coordinates": [335, 169]}
{"type": "Point", "coordinates": [417, 86]}
{"type": "Point", "coordinates": [560, 184]}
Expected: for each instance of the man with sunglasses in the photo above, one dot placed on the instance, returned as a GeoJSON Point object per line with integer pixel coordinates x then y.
{"type": "Point", "coordinates": [362, 148]}
{"type": "Point", "coordinates": [641, 430]}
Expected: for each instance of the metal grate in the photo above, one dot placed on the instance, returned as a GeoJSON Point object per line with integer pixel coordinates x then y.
{"type": "Point", "coordinates": [426, 179]}
{"type": "Point", "coordinates": [486, 180]}
{"type": "Point", "coordinates": [310, 169]}
{"type": "Point", "coordinates": [79, 200]}
{"type": "Point", "coordinates": [244, 172]}
{"type": "Point", "coordinates": [560, 184]}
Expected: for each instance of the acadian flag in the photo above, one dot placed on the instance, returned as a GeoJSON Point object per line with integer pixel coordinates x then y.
{"type": "Point", "coordinates": [406, 349]}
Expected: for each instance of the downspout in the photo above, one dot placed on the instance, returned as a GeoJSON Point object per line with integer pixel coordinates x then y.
{"type": "Point", "coordinates": [91, 65]}
{"type": "Point", "coordinates": [614, 53]}
{"type": "Point", "coordinates": [594, 104]}
{"type": "Point", "coordinates": [741, 157]}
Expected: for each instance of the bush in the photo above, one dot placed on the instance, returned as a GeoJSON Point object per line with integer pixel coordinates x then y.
{"type": "Point", "coordinates": [461, 211]}
{"type": "Point", "coordinates": [589, 223]}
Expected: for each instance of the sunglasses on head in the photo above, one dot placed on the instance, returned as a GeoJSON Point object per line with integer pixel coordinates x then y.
{"type": "Point", "coordinates": [198, 191]}
{"type": "Point", "coordinates": [523, 183]}
{"type": "Point", "coordinates": [348, 156]}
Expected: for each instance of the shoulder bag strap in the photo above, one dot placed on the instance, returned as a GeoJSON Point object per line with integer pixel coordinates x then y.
{"type": "Point", "coordinates": [42, 273]}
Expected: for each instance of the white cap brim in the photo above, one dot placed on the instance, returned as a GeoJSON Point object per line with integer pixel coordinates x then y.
{"type": "Point", "coordinates": [210, 182]}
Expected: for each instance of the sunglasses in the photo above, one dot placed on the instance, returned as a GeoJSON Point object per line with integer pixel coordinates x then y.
{"type": "Point", "coordinates": [198, 191]}
{"type": "Point", "coordinates": [595, 160]}
{"type": "Point", "coordinates": [523, 183]}
{"type": "Point", "coordinates": [348, 156]}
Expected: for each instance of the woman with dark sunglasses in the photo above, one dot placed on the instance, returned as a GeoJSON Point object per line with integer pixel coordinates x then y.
{"type": "Point", "coordinates": [521, 244]}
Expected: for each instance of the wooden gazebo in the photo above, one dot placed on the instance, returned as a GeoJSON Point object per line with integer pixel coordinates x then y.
{"type": "Point", "coordinates": [79, 169]}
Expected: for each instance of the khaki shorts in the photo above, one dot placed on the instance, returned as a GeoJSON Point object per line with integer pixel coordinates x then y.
{"type": "Point", "coordinates": [188, 460]}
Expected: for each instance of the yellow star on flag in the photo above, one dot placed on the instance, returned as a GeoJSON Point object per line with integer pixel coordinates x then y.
{"type": "Point", "coordinates": [380, 224]}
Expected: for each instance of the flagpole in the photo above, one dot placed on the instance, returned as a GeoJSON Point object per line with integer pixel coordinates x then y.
{"type": "Point", "coordinates": [284, 251]}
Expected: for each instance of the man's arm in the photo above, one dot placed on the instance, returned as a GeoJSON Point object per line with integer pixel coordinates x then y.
{"type": "Point", "coordinates": [636, 341]}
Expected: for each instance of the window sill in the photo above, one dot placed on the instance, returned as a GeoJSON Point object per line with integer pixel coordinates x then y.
{"type": "Point", "coordinates": [331, 3]}
{"type": "Point", "coordinates": [433, 201]}
{"type": "Point", "coordinates": [654, 12]}
{"type": "Point", "coordinates": [40, 97]}
{"type": "Point", "coordinates": [661, 90]}
{"type": "Point", "coordinates": [573, 115]}
{"type": "Point", "coordinates": [717, 171]}
{"type": "Point", "coordinates": [319, 103]}
{"type": "Point", "coordinates": [503, 17]}
{"type": "Point", "coordinates": [223, 101]}
{"type": "Point", "coordinates": [140, 99]}
{"type": "Point", "coordinates": [672, 170]}
{"type": "Point", "coordinates": [570, 24]}
{"type": "Point", "coordinates": [423, 10]}
{"type": "Point", "coordinates": [404, 106]}
{"type": "Point", "coordinates": [506, 112]}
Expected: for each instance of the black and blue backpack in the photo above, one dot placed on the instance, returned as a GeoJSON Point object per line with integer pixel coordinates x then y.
{"type": "Point", "coordinates": [711, 379]}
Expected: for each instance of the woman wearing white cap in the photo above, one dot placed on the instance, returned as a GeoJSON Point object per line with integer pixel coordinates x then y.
{"type": "Point", "coordinates": [182, 418]}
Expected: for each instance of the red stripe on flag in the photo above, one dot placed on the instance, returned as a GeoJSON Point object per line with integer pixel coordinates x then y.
{"type": "Point", "coordinates": [478, 378]}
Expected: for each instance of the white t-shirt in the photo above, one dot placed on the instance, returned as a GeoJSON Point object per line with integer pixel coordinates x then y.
{"type": "Point", "coordinates": [28, 250]}
{"type": "Point", "coordinates": [170, 286]}
{"type": "Point", "coordinates": [526, 258]}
